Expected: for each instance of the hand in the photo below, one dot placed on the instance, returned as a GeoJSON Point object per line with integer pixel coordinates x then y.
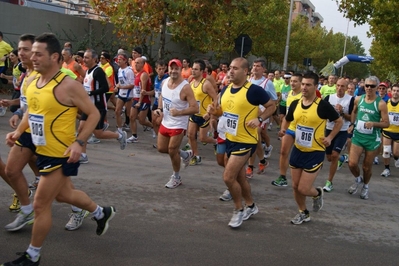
{"type": "Point", "coordinates": [206, 116]}
{"type": "Point", "coordinates": [137, 105]}
{"type": "Point", "coordinates": [2, 76]}
{"type": "Point", "coordinates": [12, 137]}
{"type": "Point", "coordinates": [5, 102]}
{"type": "Point", "coordinates": [254, 123]}
{"type": "Point", "coordinates": [157, 112]}
{"type": "Point", "coordinates": [339, 108]}
{"type": "Point", "coordinates": [74, 150]}
{"type": "Point", "coordinates": [174, 112]}
{"type": "Point", "coordinates": [350, 129]}
{"type": "Point", "coordinates": [369, 125]}
{"type": "Point", "coordinates": [143, 92]}
{"type": "Point", "coordinates": [326, 141]}
{"type": "Point", "coordinates": [281, 133]}
{"type": "Point", "coordinates": [14, 121]}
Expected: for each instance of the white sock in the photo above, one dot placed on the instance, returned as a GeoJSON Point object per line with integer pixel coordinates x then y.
{"type": "Point", "coordinates": [75, 209]}
{"type": "Point", "coordinates": [26, 209]}
{"type": "Point", "coordinates": [98, 213]}
{"type": "Point", "coordinates": [34, 253]}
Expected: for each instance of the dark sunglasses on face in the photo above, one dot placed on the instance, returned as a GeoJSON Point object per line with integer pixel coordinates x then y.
{"type": "Point", "coordinates": [370, 86]}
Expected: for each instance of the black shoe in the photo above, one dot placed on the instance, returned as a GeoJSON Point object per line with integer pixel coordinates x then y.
{"type": "Point", "coordinates": [24, 260]}
{"type": "Point", "coordinates": [102, 224]}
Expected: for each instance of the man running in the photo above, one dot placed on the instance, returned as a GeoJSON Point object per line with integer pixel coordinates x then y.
{"type": "Point", "coordinates": [53, 103]}
{"type": "Point", "coordinates": [176, 104]}
{"type": "Point", "coordinates": [369, 115]}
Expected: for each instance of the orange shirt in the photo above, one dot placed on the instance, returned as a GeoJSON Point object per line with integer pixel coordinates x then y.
{"type": "Point", "coordinates": [70, 67]}
{"type": "Point", "coordinates": [147, 68]}
{"type": "Point", "coordinates": [186, 73]}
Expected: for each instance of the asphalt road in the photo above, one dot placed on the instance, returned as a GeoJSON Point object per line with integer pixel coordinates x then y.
{"type": "Point", "coordinates": [188, 225]}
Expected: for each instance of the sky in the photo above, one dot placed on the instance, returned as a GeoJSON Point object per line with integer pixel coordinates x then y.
{"type": "Point", "coordinates": [335, 20]}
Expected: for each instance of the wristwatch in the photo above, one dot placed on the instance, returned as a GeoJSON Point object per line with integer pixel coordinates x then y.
{"type": "Point", "coordinates": [81, 142]}
{"type": "Point", "coordinates": [260, 119]}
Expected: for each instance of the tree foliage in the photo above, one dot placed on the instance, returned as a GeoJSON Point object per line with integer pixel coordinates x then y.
{"type": "Point", "coordinates": [213, 25]}
{"type": "Point", "coordinates": [384, 28]}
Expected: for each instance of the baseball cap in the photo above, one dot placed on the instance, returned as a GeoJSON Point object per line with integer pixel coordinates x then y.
{"type": "Point", "coordinates": [175, 61]}
{"type": "Point", "coordinates": [383, 84]}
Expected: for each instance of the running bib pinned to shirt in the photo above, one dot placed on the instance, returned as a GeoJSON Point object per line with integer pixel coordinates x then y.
{"type": "Point", "coordinates": [393, 118]}
{"type": "Point", "coordinates": [361, 127]}
{"type": "Point", "coordinates": [229, 123]}
{"type": "Point", "coordinates": [304, 136]}
{"type": "Point", "coordinates": [36, 123]}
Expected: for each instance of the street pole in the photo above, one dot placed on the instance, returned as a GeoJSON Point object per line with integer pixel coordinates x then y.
{"type": "Point", "coordinates": [242, 47]}
{"type": "Point", "coordinates": [287, 43]}
{"type": "Point", "coordinates": [346, 39]}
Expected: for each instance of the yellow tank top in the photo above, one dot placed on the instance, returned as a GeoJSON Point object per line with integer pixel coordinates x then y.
{"type": "Point", "coordinates": [290, 99]}
{"type": "Point", "coordinates": [52, 124]}
{"type": "Point", "coordinates": [237, 111]}
{"type": "Point", "coordinates": [393, 114]}
{"type": "Point", "coordinates": [309, 127]}
{"type": "Point", "coordinates": [24, 88]}
{"type": "Point", "coordinates": [203, 99]}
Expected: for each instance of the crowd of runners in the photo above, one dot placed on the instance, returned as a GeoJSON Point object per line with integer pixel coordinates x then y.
{"type": "Point", "coordinates": [232, 108]}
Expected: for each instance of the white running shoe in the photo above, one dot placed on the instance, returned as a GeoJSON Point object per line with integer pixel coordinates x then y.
{"type": "Point", "coordinates": [76, 220]}
{"type": "Point", "coordinates": [132, 139]}
{"type": "Point", "coordinates": [174, 182]}
{"type": "Point", "coordinates": [386, 172]}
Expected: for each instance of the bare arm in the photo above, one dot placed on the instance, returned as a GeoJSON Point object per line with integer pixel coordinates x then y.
{"type": "Point", "coordinates": [384, 123]}
{"type": "Point", "coordinates": [186, 94]}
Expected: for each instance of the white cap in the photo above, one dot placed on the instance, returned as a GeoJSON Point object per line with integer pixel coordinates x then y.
{"type": "Point", "coordinates": [145, 58]}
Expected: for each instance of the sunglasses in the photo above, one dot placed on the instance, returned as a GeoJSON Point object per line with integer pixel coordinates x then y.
{"type": "Point", "coordinates": [370, 86]}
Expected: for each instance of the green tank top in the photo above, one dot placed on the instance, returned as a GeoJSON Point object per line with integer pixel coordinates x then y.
{"type": "Point", "coordinates": [367, 112]}
{"type": "Point", "coordinates": [285, 89]}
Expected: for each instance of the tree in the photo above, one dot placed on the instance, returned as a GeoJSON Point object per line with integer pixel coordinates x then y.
{"type": "Point", "coordinates": [384, 27]}
{"type": "Point", "coordinates": [204, 25]}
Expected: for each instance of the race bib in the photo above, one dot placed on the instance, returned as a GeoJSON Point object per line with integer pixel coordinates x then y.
{"type": "Point", "coordinates": [36, 123]}
{"type": "Point", "coordinates": [284, 96]}
{"type": "Point", "coordinates": [304, 136]}
{"type": "Point", "coordinates": [199, 108]}
{"type": "Point", "coordinates": [167, 104]}
{"type": "Point", "coordinates": [136, 91]}
{"type": "Point", "coordinates": [87, 88]}
{"type": "Point", "coordinates": [393, 118]}
{"type": "Point", "coordinates": [361, 127]}
{"type": "Point", "coordinates": [230, 123]}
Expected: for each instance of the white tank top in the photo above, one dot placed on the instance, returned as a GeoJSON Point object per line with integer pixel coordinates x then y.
{"type": "Point", "coordinates": [171, 99]}
{"type": "Point", "coordinates": [344, 102]}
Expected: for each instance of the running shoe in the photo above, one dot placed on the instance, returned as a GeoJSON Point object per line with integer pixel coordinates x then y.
{"type": "Point", "coordinates": [106, 126]}
{"type": "Point", "coordinates": [226, 196]}
{"type": "Point", "coordinates": [318, 200]}
{"type": "Point", "coordinates": [262, 168]}
{"type": "Point", "coordinates": [186, 147]}
{"type": "Point", "coordinates": [300, 218]}
{"type": "Point", "coordinates": [386, 172]}
{"type": "Point", "coordinates": [268, 151]}
{"type": "Point", "coordinates": [397, 163]}
{"type": "Point", "coordinates": [84, 159]}
{"type": "Point", "coordinates": [24, 260]}
{"type": "Point", "coordinates": [186, 162]}
{"type": "Point", "coordinates": [3, 110]}
{"type": "Point", "coordinates": [34, 184]}
{"type": "Point", "coordinates": [248, 212]}
{"type": "Point", "coordinates": [93, 140]}
{"type": "Point", "coordinates": [364, 194]}
{"type": "Point", "coordinates": [236, 219]}
{"type": "Point", "coordinates": [328, 187]}
{"type": "Point", "coordinates": [353, 188]}
{"type": "Point", "coordinates": [103, 224]}
{"type": "Point", "coordinates": [126, 127]}
{"type": "Point", "coordinates": [280, 182]}
{"type": "Point", "coordinates": [270, 127]}
{"type": "Point", "coordinates": [340, 163]}
{"type": "Point", "coordinates": [76, 220]}
{"type": "Point", "coordinates": [15, 205]}
{"type": "Point", "coordinates": [132, 139]}
{"type": "Point", "coordinates": [20, 221]}
{"type": "Point", "coordinates": [123, 140]}
{"type": "Point", "coordinates": [174, 182]}
{"type": "Point", "coordinates": [195, 160]}
{"type": "Point", "coordinates": [376, 160]}
{"type": "Point", "coordinates": [249, 172]}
